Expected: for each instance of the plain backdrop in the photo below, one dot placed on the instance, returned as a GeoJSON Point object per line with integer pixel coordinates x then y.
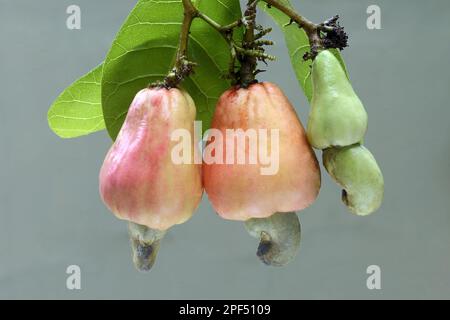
{"type": "Point", "coordinates": [51, 215]}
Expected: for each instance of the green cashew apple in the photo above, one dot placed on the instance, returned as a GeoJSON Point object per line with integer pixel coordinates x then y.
{"type": "Point", "coordinates": [337, 116]}
{"type": "Point", "coordinates": [356, 170]}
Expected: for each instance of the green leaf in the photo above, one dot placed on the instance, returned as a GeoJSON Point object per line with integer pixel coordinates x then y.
{"type": "Point", "coordinates": [145, 48]}
{"type": "Point", "coordinates": [298, 44]}
{"type": "Point", "coordinates": [78, 111]}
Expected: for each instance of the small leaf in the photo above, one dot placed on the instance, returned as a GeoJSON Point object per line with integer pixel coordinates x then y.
{"type": "Point", "coordinates": [298, 44]}
{"type": "Point", "coordinates": [145, 48]}
{"type": "Point", "coordinates": [78, 111]}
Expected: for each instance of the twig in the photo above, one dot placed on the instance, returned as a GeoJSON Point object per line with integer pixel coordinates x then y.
{"type": "Point", "coordinates": [321, 36]}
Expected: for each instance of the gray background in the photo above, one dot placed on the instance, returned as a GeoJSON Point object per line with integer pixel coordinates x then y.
{"type": "Point", "coordinates": [51, 215]}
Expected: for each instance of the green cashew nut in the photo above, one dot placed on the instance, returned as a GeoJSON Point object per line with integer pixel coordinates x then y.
{"type": "Point", "coordinates": [279, 237]}
{"type": "Point", "coordinates": [337, 116]}
{"type": "Point", "coordinates": [145, 245]}
{"type": "Point", "coordinates": [356, 170]}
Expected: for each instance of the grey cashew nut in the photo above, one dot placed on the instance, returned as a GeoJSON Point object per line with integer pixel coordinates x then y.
{"type": "Point", "coordinates": [145, 244]}
{"type": "Point", "coordinates": [355, 169]}
{"type": "Point", "coordinates": [279, 237]}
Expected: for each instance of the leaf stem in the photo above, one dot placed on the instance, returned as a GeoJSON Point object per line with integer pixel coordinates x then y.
{"type": "Point", "coordinates": [222, 29]}
{"type": "Point", "coordinates": [190, 12]}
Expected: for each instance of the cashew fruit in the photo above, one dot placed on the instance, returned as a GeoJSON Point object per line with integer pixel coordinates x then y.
{"type": "Point", "coordinates": [145, 243]}
{"type": "Point", "coordinates": [242, 191]}
{"type": "Point", "coordinates": [356, 170]}
{"type": "Point", "coordinates": [139, 181]}
{"type": "Point", "coordinates": [279, 237]}
{"type": "Point", "coordinates": [337, 116]}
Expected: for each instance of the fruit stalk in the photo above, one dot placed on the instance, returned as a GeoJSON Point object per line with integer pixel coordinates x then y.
{"type": "Point", "coordinates": [182, 67]}
{"type": "Point", "coordinates": [325, 35]}
{"type": "Point", "coordinates": [248, 62]}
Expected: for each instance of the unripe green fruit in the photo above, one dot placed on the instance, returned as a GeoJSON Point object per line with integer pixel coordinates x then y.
{"type": "Point", "coordinates": [356, 170]}
{"type": "Point", "coordinates": [337, 116]}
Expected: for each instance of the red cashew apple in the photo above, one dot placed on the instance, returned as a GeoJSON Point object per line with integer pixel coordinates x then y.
{"type": "Point", "coordinates": [139, 182]}
{"type": "Point", "coordinates": [241, 191]}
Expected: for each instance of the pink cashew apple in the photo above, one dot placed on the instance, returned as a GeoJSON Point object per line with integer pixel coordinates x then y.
{"type": "Point", "coordinates": [139, 181]}
{"type": "Point", "coordinates": [241, 191]}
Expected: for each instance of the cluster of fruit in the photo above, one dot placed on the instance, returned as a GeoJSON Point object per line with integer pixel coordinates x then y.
{"type": "Point", "coordinates": [140, 182]}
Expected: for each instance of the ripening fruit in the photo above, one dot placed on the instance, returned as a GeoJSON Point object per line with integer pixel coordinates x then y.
{"type": "Point", "coordinates": [337, 116]}
{"type": "Point", "coordinates": [139, 181]}
{"type": "Point", "coordinates": [287, 180]}
{"type": "Point", "coordinates": [356, 170]}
